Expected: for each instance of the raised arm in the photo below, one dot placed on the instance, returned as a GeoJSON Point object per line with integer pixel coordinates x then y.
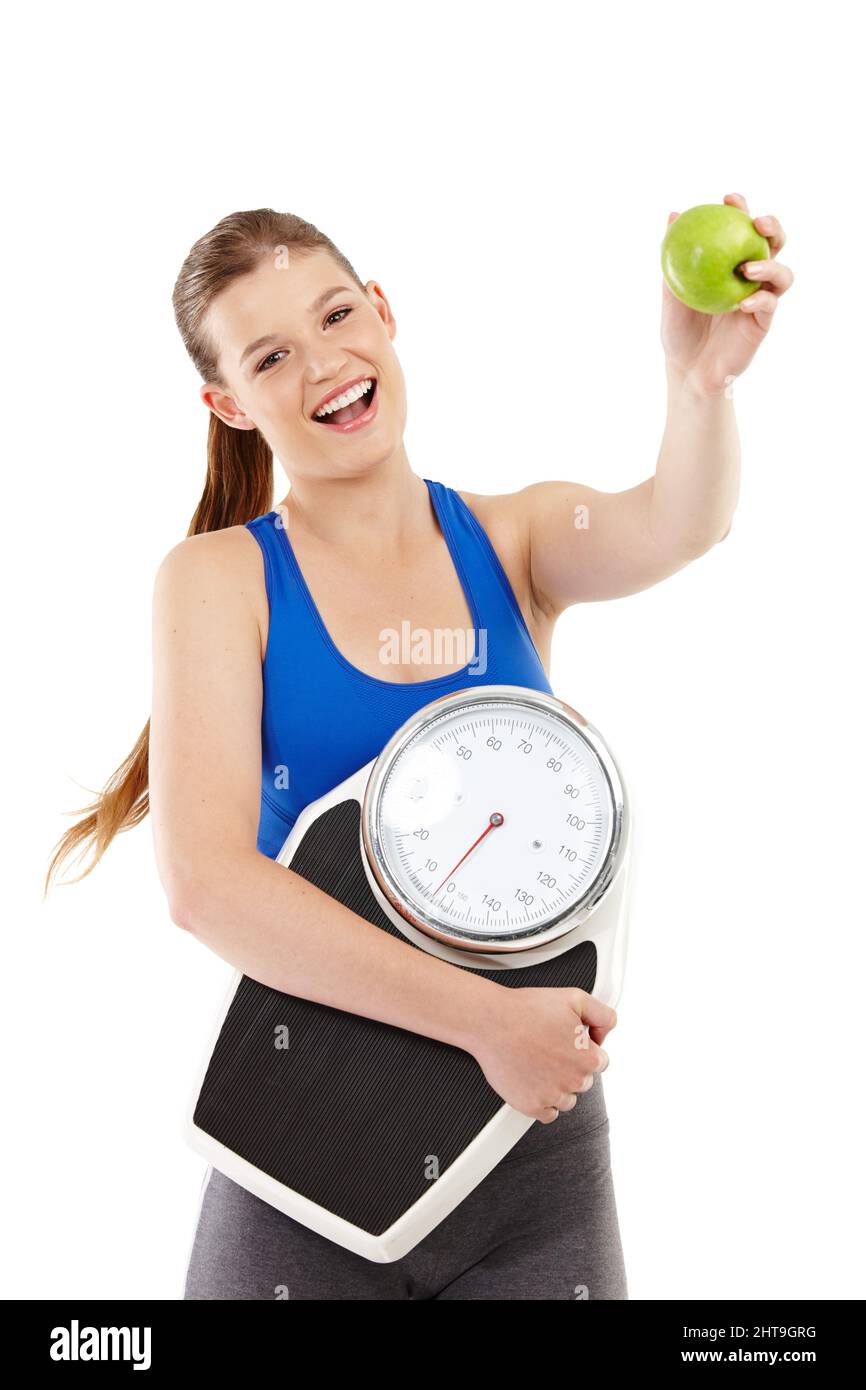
{"type": "Point", "coordinates": [626, 541]}
{"type": "Point", "coordinates": [585, 545]}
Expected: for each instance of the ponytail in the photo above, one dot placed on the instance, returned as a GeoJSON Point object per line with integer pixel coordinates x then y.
{"type": "Point", "coordinates": [240, 473]}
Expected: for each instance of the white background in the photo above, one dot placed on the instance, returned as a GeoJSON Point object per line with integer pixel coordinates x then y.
{"type": "Point", "coordinates": [505, 172]}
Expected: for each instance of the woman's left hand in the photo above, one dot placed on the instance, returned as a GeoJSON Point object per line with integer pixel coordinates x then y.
{"type": "Point", "coordinates": [708, 350]}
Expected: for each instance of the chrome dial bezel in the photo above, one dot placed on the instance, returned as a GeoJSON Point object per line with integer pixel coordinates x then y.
{"type": "Point", "coordinates": [550, 929]}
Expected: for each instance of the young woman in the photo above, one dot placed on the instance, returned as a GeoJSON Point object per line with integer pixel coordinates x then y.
{"type": "Point", "coordinates": [272, 683]}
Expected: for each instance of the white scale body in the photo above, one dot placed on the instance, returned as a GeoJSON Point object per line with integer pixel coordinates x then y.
{"type": "Point", "coordinates": [495, 832]}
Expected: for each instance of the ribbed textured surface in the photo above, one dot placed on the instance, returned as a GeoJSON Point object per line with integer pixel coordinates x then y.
{"type": "Point", "coordinates": [350, 1112]}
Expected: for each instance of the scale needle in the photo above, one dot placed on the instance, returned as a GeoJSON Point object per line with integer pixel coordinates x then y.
{"type": "Point", "coordinates": [496, 818]}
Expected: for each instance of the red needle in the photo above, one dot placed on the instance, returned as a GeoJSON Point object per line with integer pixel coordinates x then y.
{"type": "Point", "coordinates": [496, 818]}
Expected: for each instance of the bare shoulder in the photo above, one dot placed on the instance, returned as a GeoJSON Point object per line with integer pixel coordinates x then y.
{"type": "Point", "coordinates": [224, 567]}
{"type": "Point", "coordinates": [505, 518]}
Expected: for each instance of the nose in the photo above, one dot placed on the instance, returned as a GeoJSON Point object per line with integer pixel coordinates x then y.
{"type": "Point", "coordinates": [322, 369]}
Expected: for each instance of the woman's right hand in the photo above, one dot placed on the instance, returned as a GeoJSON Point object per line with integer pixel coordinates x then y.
{"type": "Point", "coordinates": [539, 1047]}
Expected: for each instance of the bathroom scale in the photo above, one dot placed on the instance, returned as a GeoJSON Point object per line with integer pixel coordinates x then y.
{"type": "Point", "coordinates": [493, 831]}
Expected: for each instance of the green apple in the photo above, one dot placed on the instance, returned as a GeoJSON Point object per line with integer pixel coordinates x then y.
{"type": "Point", "coordinates": [700, 254]}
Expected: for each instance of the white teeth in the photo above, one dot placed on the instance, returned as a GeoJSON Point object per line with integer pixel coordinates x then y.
{"type": "Point", "coordinates": [353, 394]}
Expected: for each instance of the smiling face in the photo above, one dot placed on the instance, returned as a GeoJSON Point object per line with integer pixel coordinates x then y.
{"type": "Point", "coordinates": [290, 338]}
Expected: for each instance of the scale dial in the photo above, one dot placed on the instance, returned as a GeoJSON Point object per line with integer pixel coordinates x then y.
{"type": "Point", "coordinates": [492, 818]}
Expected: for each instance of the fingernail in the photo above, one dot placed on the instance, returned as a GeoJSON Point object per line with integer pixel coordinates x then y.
{"type": "Point", "coordinates": [606, 1059]}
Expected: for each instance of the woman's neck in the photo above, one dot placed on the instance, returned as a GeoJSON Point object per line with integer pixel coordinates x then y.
{"type": "Point", "coordinates": [387, 507]}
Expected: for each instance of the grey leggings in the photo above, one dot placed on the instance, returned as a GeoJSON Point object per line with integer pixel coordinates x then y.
{"type": "Point", "coordinates": [542, 1224]}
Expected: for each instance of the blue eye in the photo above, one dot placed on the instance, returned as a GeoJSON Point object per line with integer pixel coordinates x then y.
{"type": "Point", "coordinates": [263, 367]}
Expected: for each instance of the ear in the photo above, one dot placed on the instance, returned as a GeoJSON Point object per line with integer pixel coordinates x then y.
{"type": "Point", "coordinates": [225, 407]}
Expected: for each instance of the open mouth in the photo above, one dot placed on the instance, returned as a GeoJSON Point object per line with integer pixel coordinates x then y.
{"type": "Point", "coordinates": [349, 412]}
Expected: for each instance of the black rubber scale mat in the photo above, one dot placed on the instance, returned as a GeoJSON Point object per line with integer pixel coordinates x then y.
{"type": "Point", "coordinates": [351, 1111]}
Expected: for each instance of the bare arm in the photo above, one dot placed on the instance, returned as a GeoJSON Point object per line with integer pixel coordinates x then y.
{"type": "Point", "coordinates": [585, 545]}
{"type": "Point", "coordinates": [205, 790]}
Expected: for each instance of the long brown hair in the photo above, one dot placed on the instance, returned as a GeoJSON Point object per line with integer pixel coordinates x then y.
{"type": "Point", "coordinates": [240, 470]}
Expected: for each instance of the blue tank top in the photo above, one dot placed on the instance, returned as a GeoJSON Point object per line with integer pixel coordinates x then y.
{"type": "Point", "coordinates": [322, 717]}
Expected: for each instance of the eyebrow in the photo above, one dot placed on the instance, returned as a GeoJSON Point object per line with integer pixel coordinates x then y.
{"type": "Point", "coordinates": [317, 304]}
